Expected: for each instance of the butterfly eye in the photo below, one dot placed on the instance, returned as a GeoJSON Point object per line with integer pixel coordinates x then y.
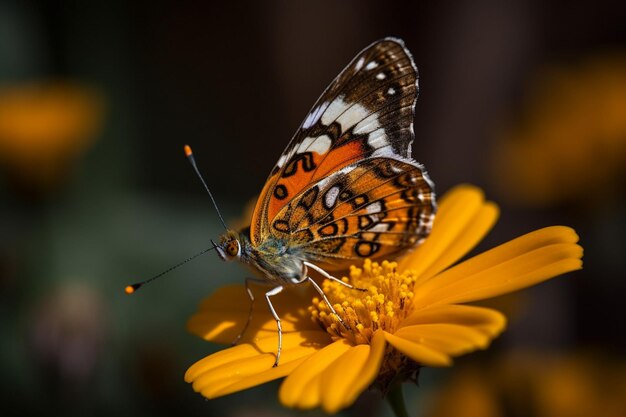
{"type": "Point", "coordinates": [233, 249]}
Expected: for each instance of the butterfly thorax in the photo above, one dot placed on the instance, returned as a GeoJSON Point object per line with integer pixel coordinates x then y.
{"type": "Point", "coordinates": [275, 260]}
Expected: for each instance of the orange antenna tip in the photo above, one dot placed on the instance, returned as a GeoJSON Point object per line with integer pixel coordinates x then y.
{"type": "Point", "coordinates": [130, 289]}
{"type": "Point", "coordinates": [188, 151]}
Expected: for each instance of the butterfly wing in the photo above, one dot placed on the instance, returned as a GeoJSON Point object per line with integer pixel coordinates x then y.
{"type": "Point", "coordinates": [366, 112]}
{"type": "Point", "coordinates": [374, 208]}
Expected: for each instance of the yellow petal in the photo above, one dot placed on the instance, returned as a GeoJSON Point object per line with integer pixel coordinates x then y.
{"type": "Point", "coordinates": [213, 374]}
{"type": "Point", "coordinates": [461, 221]}
{"type": "Point", "coordinates": [222, 316]}
{"type": "Point", "coordinates": [522, 262]}
{"type": "Point", "coordinates": [262, 377]}
{"type": "Point", "coordinates": [486, 320]}
{"type": "Point", "coordinates": [450, 339]}
{"type": "Point", "coordinates": [418, 352]}
{"type": "Point", "coordinates": [491, 290]}
{"type": "Point", "coordinates": [338, 378]}
{"type": "Point", "coordinates": [370, 369]}
{"type": "Point", "coordinates": [473, 233]}
{"type": "Point", "coordinates": [301, 389]}
{"type": "Point", "coordinates": [264, 346]}
{"type": "Point", "coordinates": [211, 382]}
{"type": "Point", "coordinates": [230, 297]}
{"type": "Point", "coordinates": [207, 326]}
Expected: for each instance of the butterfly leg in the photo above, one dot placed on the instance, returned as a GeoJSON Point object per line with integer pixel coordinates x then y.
{"type": "Point", "coordinates": [251, 296]}
{"type": "Point", "coordinates": [270, 293]}
{"type": "Point", "coordinates": [332, 278]}
{"type": "Point", "coordinates": [330, 306]}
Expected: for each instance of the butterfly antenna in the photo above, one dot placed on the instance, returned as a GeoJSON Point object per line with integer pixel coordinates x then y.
{"type": "Point", "coordinates": [134, 287]}
{"type": "Point", "coordinates": [192, 160]}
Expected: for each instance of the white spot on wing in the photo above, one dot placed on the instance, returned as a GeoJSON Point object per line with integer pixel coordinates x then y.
{"type": "Point", "coordinates": [369, 124]}
{"type": "Point", "coordinates": [314, 116]}
{"type": "Point", "coordinates": [352, 116]}
{"type": "Point", "coordinates": [310, 119]}
{"type": "Point", "coordinates": [380, 227]}
{"type": "Point", "coordinates": [377, 139]}
{"type": "Point", "coordinates": [375, 207]}
{"type": "Point", "coordinates": [380, 76]}
{"type": "Point", "coordinates": [344, 171]}
{"type": "Point", "coordinates": [281, 160]}
{"type": "Point", "coordinates": [360, 63]}
{"type": "Point", "coordinates": [321, 145]}
{"type": "Point", "coordinates": [346, 114]}
{"type": "Point", "coordinates": [371, 65]}
{"type": "Point", "coordinates": [335, 108]}
{"type": "Point", "coordinates": [331, 196]}
{"type": "Point", "coordinates": [391, 91]}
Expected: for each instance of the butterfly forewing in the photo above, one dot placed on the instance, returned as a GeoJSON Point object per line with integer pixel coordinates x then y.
{"type": "Point", "coordinates": [366, 112]}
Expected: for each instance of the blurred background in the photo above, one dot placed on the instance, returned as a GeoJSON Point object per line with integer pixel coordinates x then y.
{"type": "Point", "coordinates": [526, 99]}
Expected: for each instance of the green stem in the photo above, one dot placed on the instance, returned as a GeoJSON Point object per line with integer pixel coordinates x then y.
{"type": "Point", "coordinates": [395, 398]}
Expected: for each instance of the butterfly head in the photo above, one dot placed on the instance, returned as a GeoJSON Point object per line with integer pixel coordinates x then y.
{"type": "Point", "coordinates": [229, 247]}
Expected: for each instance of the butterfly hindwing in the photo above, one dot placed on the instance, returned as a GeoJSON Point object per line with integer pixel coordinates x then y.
{"type": "Point", "coordinates": [378, 207]}
{"type": "Point", "coordinates": [366, 112]}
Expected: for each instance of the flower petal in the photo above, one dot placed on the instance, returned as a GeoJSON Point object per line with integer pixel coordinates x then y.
{"type": "Point", "coordinates": [217, 374]}
{"type": "Point", "coordinates": [522, 262]}
{"type": "Point", "coordinates": [462, 220]}
{"type": "Point", "coordinates": [474, 232]}
{"type": "Point", "coordinates": [418, 352]}
{"type": "Point", "coordinates": [265, 347]}
{"type": "Point", "coordinates": [269, 374]}
{"type": "Point", "coordinates": [451, 339]}
{"type": "Point", "coordinates": [370, 369]}
{"type": "Point", "coordinates": [350, 374]}
{"type": "Point", "coordinates": [486, 320]}
{"type": "Point", "coordinates": [223, 315]}
{"type": "Point", "coordinates": [301, 389]}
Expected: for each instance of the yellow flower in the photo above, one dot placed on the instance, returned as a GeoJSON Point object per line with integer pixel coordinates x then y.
{"type": "Point", "coordinates": [573, 118]}
{"type": "Point", "coordinates": [44, 128]}
{"type": "Point", "coordinates": [542, 384]}
{"type": "Point", "coordinates": [411, 315]}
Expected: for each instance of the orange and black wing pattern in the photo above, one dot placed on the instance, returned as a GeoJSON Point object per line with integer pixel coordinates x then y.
{"type": "Point", "coordinates": [373, 209]}
{"type": "Point", "coordinates": [365, 115]}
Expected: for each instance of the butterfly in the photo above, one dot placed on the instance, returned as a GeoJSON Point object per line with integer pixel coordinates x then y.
{"type": "Point", "coordinates": [346, 187]}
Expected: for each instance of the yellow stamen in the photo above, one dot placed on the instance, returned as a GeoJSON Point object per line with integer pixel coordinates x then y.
{"type": "Point", "coordinates": [383, 306]}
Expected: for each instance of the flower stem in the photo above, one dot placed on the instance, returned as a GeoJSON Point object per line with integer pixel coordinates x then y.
{"type": "Point", "coordinates": [395, 398]}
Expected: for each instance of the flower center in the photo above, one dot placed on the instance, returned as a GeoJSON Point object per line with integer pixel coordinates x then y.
{"type": "Point", "coordinates": [383, 306]}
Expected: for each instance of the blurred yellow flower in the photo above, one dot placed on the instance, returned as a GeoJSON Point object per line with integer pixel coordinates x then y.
{"type": "Point", "coordinates": [411, 316]}
{"type": "Point", "coordinates": [571, 142]}
{"type": "Point", "coordinates": [44, 127]}
{"type": "Point", "coordinates": [535, 383]}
